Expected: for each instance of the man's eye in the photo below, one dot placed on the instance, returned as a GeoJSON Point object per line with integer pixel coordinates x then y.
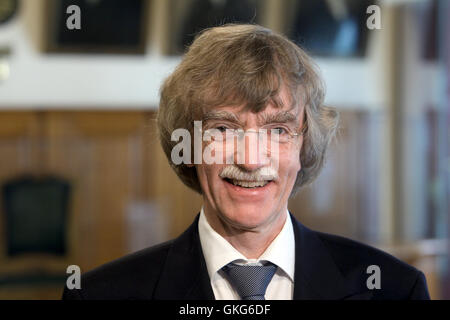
{"type": "Point", "coordinates": [279, 130]}
{"type": "Point", "coordinates": [221, 128]}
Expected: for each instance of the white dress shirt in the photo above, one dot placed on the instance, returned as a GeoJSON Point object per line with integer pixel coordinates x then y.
{"type": "Point", "coordinates": [218, 252]}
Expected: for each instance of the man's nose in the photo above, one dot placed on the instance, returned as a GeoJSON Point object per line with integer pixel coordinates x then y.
{"type": "Point", "coordinates": [251, 154]}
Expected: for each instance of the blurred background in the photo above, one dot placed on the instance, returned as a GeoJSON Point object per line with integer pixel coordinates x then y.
{"type": "Point", "coordinates": [83, 179]}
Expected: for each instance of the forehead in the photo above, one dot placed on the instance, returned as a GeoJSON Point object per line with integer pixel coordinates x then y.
{"type": "Point", "coordinates": [284, 110]}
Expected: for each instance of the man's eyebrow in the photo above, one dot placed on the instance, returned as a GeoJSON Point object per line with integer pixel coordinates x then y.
{"type": "Point", "coordinates": [221, 115]}
{"type": "Point", "coordinates": [279, 117]}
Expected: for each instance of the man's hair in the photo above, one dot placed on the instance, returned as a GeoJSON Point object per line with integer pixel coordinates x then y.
{"type": "Point", "coordinates": [235, 65]}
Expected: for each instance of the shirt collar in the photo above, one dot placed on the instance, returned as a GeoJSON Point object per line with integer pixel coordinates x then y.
{"type": "Point", "coordinates": [218, 252]}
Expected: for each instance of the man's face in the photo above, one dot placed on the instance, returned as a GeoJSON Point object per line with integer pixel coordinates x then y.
{"type": "Point", "coordinates": [229, 196]}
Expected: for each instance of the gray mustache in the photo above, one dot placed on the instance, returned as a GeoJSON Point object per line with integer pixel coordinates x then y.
{"type": "Point", "coordinates": [233, 172]}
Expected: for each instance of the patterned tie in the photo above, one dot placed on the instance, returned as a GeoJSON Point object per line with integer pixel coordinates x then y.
{"type": "Point", "coordinates": [250, 281]}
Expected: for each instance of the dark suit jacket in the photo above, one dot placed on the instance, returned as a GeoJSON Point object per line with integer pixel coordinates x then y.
{"type": "Point", "coordinates": [326, 267]}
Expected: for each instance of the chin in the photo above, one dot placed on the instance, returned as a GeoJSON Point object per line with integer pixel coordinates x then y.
{"type": "Point", "coordinates": [248, 217]}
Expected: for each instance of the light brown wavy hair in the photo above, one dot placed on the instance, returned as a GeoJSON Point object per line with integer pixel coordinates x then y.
{"type": "Point", "coordinates": [245, 65]}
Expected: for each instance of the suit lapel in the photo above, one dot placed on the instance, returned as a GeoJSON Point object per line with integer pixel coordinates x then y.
{"type": "Point", "coordinates": [184, 273]}
{"type": "Point", "coordinates": [316, 274]}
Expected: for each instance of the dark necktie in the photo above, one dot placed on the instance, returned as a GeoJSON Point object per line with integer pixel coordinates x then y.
{"type": "Point", "coordinates": [250, 281]}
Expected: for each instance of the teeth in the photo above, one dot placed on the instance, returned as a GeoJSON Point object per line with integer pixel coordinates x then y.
{"type": "Point", "coordinates": [250, 184]}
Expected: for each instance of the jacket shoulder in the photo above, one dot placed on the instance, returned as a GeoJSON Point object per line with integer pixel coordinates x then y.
{"type": "Point", "coordinates": [358, 261]}
{"type": "Point", "coordinates": [133, 276]}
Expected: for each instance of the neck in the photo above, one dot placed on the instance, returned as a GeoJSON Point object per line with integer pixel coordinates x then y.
{"type": "Point", "coordinates": [251, 242]}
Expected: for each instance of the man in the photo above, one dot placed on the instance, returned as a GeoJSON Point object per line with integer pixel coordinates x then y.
{"type": "Point", "coordinates": [238, 84]}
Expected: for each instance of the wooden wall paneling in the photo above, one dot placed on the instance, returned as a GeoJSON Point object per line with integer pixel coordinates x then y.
{"type": "Point", "coordinates": [101, 153]}
{"type": "Point", "coordinates": [344, 198]}
{"type": "Point", "coordinates": [20, 153]}
{"type": "Point", "coordinates": [19, 142]}
{"type": "Point", "coordinates": [324, 205]}
{"type": "Point", "coordinates": [177, 201]}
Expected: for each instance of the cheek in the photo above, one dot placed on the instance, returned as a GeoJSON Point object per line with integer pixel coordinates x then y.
{"type": "Point", "coordinates": [290, 163]}
{"type": "Point", "coordinates": [296, 157]}
{"type": "Point", "coordinates": [295, 166]}
{"type": "Point", "coordinates": [202, 176]}
{"type": "Point", "coordinates": [297, 162]}
{"type": "Point", "coordinates": [207, 175]}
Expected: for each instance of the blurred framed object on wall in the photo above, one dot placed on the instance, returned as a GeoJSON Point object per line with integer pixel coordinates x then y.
{"type": "Point", "coordinates": [328, 28]}
{"type": "Point", "coordinates": [113, 26]}
{"type": "Point", "coordinates": [8, 9]}
{"type": "Point", "coordinates": [188, 17]}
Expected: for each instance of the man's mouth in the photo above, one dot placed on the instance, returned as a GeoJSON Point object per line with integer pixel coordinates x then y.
{"type": "Point", "coordinates": [248, 184]}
